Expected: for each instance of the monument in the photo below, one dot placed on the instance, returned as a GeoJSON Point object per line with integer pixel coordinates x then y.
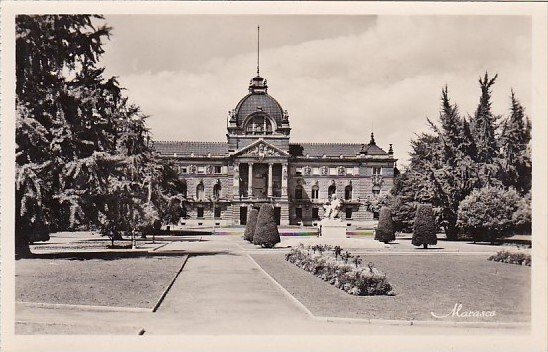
{"type": "Point", "coordinates": [331, 226]}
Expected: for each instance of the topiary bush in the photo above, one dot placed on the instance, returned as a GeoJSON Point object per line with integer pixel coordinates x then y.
{"type": "Point", "coordinates": [490, 213]}
{"type": "Point", "coordinates": [251, 224]}
{"type": "Point", "coordinates": [385, 228]}
{"type": "Point", "coordinates": [424, 227]}
{"type": "Point", "coordinates": [266, 231]}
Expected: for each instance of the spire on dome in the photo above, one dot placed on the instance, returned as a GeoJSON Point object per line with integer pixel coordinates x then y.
{"type": "Point", "coordinates": [372, 141]}
{"type": "Point", "coordinates": [258, 84]}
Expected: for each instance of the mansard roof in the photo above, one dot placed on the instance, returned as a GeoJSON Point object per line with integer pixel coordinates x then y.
{"type": "Point", "coordinates": [333, 149]}
{"type": "Point", "coordinates": [184, 148]}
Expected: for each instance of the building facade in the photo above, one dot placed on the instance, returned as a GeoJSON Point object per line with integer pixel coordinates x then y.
{"type": "Point", "coordinates": [258, 164]}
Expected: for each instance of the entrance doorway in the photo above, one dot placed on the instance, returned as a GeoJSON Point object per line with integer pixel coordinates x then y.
{"type": "Point", "coordinates": [277, 214]}
{"type": "Point", "coordinates": [243, 215]}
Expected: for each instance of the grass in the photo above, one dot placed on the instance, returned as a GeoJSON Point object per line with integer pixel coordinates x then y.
{"type": "Point", "coordinates": [422, 283]}
{"type": "Point", "coordinates": [120, 282]}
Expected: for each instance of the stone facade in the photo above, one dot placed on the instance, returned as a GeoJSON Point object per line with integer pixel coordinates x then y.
{"type": "Point", "coordinates": [258, 164]}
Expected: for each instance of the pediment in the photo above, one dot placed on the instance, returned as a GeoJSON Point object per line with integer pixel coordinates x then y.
{"type": "Point", "coordinates": [260, 149]}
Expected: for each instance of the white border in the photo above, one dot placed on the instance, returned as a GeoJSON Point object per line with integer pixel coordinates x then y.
{"type": "Point", "coordinates": [534, 342]}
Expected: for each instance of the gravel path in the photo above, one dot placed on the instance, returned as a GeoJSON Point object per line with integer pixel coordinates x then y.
{"type": "Point", "coordinates": [423, 284]}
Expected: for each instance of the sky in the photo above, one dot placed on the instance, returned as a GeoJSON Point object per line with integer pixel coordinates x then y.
{"type": "Point", "coordinates": [339, 77]}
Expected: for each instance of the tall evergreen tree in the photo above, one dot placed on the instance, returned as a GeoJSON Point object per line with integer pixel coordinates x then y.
{"type": "Point", "coordinates": [515, 141]}
{"type": "Point", "coordinates": [484, 124]}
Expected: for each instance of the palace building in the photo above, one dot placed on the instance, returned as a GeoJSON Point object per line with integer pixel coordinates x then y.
{"type": "Point", "coordinates": [259, 164]}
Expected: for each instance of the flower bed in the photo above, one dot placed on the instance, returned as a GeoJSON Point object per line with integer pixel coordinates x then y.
{"type": "Point", "coordinates": [518, 258]}
{"type": "Point", "coordinates": [342, 270]}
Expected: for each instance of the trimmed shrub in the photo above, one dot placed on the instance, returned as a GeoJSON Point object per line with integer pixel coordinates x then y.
{"type": "Point", "coordinates": [385, 228]}
{"type": "Point", "coordinates": [424, 228]}
{"type": "Point", "coordinates": [266, 231]}
{"type": "Point", "coordinates": [346, 275]}
{"type": "Point", "coordinates": [518, 258]}
{"type": "Point", "coordinates": [251, 224]}
{"type": "Point", "coordinates": [490, 213]}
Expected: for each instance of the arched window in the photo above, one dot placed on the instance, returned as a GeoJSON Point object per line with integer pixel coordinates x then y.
{"type": "Point", "coordinates": [315, 192]}
{"type": "Point", "coordinates": [217, 191]}
{"type": "Point", "coordinates": [183, 189]}
{"type": "Point", "coordinates": [299, 192]}
{"type": "Point", "coordinates": [331, 191]}
{"type": "Point", "coordinates": [348, 192]}
{"type": "Point", "coordinates": [200, 191]}
{"type": "Point", "coordinates": [259, 124]}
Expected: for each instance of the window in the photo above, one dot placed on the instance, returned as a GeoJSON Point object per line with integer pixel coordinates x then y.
{"type": "Point", "coordinates": [299, 213]}
{"type": "Point", "coordinates": [315, 192]}
{"type": "Point", "coordinates": [200, 191]}
{"type": "Point", "coordinates": [333, 171]}
{"type": "Point", "coordinates": [331, 191]}
{"type": "Point", "coordinates": [349, 170]}
{"type": "Point", "coordinates": [375, 215]}
{"type": "Point", "coordinates": [315, 171]}
{"type": "Point", "coordinates": [259, 125]}
{"type": "Point", "coordinates": [348, 212]}
{"type": "Point", "coordinates": [183, 170]}
{"type": "Point", "coordinates": [217, 213]}
{"type": "Point", "coordinates": [217, 191]}
{"type": "Point", "coordinates": [200, 212]}
{"type": "Point", "coordinates": [299, 192]}
{"type": "Point", "coordinates": [201, 170]}
{"type": "Point", "coordinates": [377, 170]}
{"type": "Point", "coordinates": [183, 189]}
{"type": "Point", "coordinates": [298, 171]}
{"type": "Point", "coordinates": [315, 214]}
{"type": "Point", "coordinates": [348, 192]}
{"type": "Point", "coordinates": [218, 169]}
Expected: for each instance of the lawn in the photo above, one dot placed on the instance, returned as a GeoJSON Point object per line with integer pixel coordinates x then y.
{"type": "Point", "coordinates": [118, 282]}
{"type": "Point", "coordinates": [422, 283]}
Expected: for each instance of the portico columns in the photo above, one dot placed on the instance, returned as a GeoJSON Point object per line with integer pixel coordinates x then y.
{"type": "Point", "coordinates": [269, 179]}
{"type": "Point", "coordinates": [284, 180]}
{"type": "Point", "coordinates": [250, 180]}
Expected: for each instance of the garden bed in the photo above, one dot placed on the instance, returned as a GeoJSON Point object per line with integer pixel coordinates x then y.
{"type": "Point", "coordinates": [518, 258]}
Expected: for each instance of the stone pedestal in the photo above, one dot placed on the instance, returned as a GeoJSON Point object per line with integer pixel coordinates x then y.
{"type": "Point", "coordinates": [332, 228]}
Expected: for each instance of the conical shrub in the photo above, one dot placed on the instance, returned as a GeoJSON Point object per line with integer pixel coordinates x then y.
{"type": "Point", "coordinates": [266, 231]}
{"type": "Point", "coordinates": [385, 228]}
{"type": "Point", "coordinates": [424, 228]}
{"type": "Point", "coordinates": [251, 224]}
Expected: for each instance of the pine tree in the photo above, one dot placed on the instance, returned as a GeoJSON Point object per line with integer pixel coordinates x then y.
{"type": "Point", "coordinates": [515, 148]}
{"type": "Point", "coordinates": [266, 231]}
{"type": "Point", "coordinates": [484, 124]}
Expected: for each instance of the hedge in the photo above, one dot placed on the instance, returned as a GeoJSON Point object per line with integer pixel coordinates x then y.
{"type": "Point", "coordinates": [251, 224]}
{"type": "Point", "coordinates": [518, 258]}
{"type": "Point", "coordinates": [424, 228]}
{"type": "Point", "coordinates": [385, 228]}
{"type": "Point", "coordinates": [266, 231]}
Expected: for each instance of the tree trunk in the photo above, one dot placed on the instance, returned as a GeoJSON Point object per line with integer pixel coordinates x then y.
{"type": "Point", "coordinates": [425, 246]}
{"type": "Point", "coordinates": [22, 248]}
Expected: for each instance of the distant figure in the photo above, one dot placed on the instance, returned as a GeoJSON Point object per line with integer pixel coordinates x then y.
{"type": "Point", "coordinates": [332, 209]}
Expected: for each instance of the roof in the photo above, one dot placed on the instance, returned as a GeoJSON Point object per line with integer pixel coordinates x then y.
{"type": "Point", "coordinates": [183, 148]}
{"type": "Point", "coordinates": [254, 102]}
{"type": "Point", "coordinates": [333, 149]}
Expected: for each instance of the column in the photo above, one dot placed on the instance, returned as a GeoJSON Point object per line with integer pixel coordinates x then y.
{"type": "Point", "coordinates": [250, 180]}
{"type": "Point", "coordinates": [236, 181]}
{"type": "Point", "coordinates": [284, 180]}
{"type": "Point", "coordinates": [269, 179]}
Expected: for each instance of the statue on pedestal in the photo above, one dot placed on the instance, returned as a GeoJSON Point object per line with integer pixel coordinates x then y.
{"type": "Point", "coordinates": [333, 208]}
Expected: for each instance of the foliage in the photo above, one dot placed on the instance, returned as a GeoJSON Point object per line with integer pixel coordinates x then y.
{"type": "Point", "coordinates": [352, 278]}
{"type": "Point", "coordinates": [251, 224]}
{"type": "Point", "coordinates": [385, 228]}
{"type": "Point", "coordinates": [489, 213]}
{"type": "Point", "coordinates": [518, 258]}
{"type": "Point", "coordinates": [424, 228]}
{"type": "Point", "coordinates": [461, 155]}
{"type": "Point", "coordinates": [83, 153]}
{"type": "Point", "coordinates": [266, 231]}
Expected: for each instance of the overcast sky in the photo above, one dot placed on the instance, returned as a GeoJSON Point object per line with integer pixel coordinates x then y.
{"type": "Point", "coordinates": [338, 76]}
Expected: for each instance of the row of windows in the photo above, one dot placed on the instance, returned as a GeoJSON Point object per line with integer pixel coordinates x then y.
{"type": "Point", "coordinates": [315, 191]}
{"type": "Point", "coordinates": [200, 212]}
{"type": "Point", "coordinates": [202, 169]}
{"type": "Point", "coordinates": [333, 171]}
{"type": "Point", "coordinates": [200, 191]}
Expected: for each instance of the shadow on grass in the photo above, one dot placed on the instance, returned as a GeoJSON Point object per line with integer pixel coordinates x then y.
{"type": "Point", "coordinates": [100, 255]}
{"type": "Point", "coordinates": [426, 249]}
